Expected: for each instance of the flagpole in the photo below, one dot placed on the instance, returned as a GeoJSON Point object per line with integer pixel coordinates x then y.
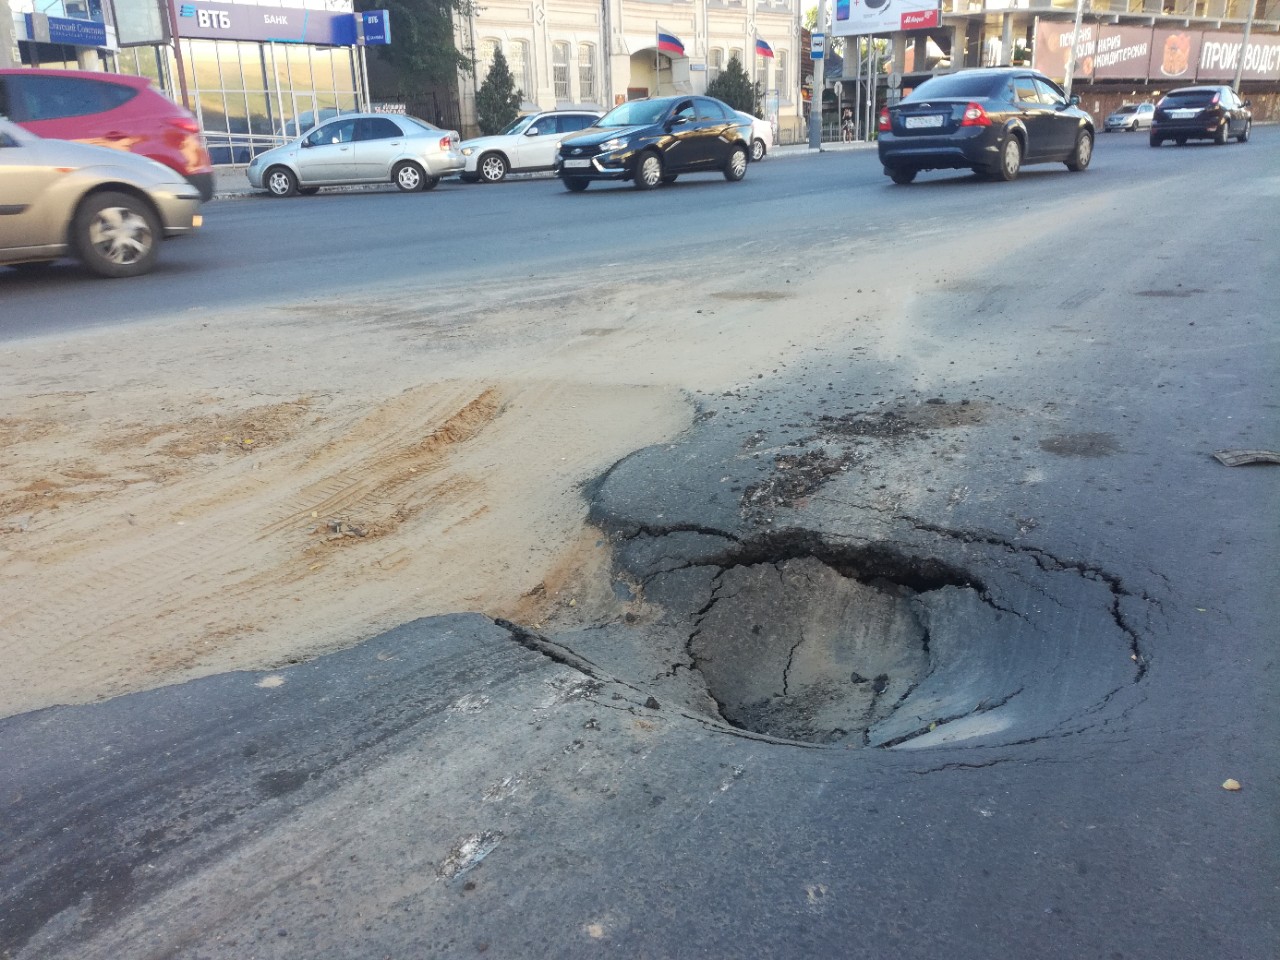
{"type": "Point", "coordinates": [657, 61]}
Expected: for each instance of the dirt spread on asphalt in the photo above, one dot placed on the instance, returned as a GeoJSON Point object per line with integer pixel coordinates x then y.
{"type": "Point", "coordinates": [242, 490]}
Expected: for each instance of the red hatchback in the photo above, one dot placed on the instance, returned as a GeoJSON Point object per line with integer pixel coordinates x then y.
{"type": "Point", "coordinates": [109, 110]}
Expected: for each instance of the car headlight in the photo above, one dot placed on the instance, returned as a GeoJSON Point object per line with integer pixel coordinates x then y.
{"type": "Point", "coordinates": [617, 143]}
{"type": "Point", "coordinates": [468, 151]}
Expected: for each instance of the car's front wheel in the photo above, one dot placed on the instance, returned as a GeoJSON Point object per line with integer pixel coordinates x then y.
{"type": "Point", "coordinates": [648, 171]}
{"type": "Point", "coordinates": [281, 182]}
{"type": "Point", "coordinates": [1010, 159]}
{"type": "Point", "coordinates": [493, 168]}
{"type": "Point", "coordinates": [1244, 134]}
{"type": "Point", "coordinates": [736, 168]}
{"type": "Point", "coordinates": [408, 177]}
{"type": "Point", "coordinates": [1083, 152]}
{"type": "Point", "coordinates": [576, 184]}
{"type": "Point", "coordinates": [901, 175]}
{"type": "Point", "coordinates": [116, 235]}
{"type": "Point", "coordinates": [757, 150]}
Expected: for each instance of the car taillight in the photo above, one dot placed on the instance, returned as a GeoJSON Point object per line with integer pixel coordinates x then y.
{"type": "Point", "coordinates": [183, 123]}
{"type": "Point", "coordinates": [883, 124]}
{"type": "Point", "coordinates": [975, 116]}
{"type": "Point", "coordinates": [446, 143]}
{"type": "Point", "coordinates": [1214, 101]}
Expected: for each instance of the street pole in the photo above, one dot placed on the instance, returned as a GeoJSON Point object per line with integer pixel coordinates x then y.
{"type": "Point", "coordinates": [819, 80]}
{"type": "Point", "coordinates": [1244, 46]}
{"type": "Point", "coordinates": [1075, 38]}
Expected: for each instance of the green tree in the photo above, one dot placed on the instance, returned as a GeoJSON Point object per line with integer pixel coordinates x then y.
{"type": "Point", "coordinates": [422, 52]}
{"type": "Point", "coordinates": [498, 100]}
{"type": "Point", "coordinates": [735, 88]}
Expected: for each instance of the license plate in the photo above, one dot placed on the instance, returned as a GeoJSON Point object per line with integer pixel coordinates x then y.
{"type": "Point", "coordinates": [577, 163]}
{"type": "Point", "coordinates": [1183, 114]}
{"type": "Point", "coordinates": [932, 120]}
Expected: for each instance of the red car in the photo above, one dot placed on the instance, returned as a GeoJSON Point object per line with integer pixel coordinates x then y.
{"type": "Point", "coordinates": [109, 110]}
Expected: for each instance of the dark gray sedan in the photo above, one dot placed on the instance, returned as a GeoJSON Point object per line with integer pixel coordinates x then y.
{"type": "Point", "coordinates": [991, 121]}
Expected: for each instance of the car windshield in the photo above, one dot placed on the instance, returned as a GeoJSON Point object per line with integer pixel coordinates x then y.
{"type": "Point", "coordinates": [1192, 98]}
{"type": "Point", "coordinates": [1127, 110]}
{"type": "Point", "coordinates": [633, 113]}
{"type": "Point", "coordinates": [957, 85]}
{"type": "Point", "coordinates": [415, 122]}
{"type": "Point", "coordinates": [517, 126]}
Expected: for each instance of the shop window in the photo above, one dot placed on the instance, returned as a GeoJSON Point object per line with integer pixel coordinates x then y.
{"type": "Point", "coordinates": [587, 72]}
{"type": "Point", "coordinates": [560, 71]}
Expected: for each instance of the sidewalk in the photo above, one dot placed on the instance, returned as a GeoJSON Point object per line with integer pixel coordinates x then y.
{"type": "Point", "coordinates": [230, 182]}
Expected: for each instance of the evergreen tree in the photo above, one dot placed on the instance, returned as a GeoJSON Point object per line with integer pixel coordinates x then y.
{"type": "Point", "coordinates": [735, 88]}
{"type": "Point", "coordinates": [497, 101]}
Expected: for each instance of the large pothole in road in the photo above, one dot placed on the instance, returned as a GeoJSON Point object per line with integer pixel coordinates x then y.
{"type": "Point", "coordinates": [875, 646]}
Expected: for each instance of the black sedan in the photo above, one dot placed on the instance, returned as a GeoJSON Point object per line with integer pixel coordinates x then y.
{"type": "Point", "coordinates": [991, 121]}
{"type": "Point", "coordinates": [1201, 113]}
{"type": "Point", "coordinates": [651, 142]}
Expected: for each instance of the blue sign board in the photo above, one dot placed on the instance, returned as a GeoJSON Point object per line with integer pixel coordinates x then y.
{"type": "Point", "coordinates": [73, 33]}
{"type": "Point", "coordinates": [376, 27]}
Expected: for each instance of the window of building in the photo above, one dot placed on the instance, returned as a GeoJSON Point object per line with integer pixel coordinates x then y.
{"type": "Point", "coordinates": [587, 72]}
{"type": "Point", "coordinates": [715, 64]}
{"type": "Point", "coordinates": [560, 71]}
{"type": "Point", "coordinates": [736, 53]}
{"type": "Point", "coordinates": [488, 47]}
{"type": "Point", "coordinates": [521, 68]}
{"type": "Point", "coordinates": [781, 81]}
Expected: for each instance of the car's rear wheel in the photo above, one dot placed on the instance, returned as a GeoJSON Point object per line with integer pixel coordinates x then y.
{"type": "Point", "coordinates": [576, 184]}
{"type": "Point", "coordinates": [757, 150]}
{"type": "Point", "coordinates": [1224, 134]}
{"type": "Point", "coordinates": [1244, 134]}
{"type": "Point", "coordinates": [648, 171]}
{"type": "Point", "coordinates": [493, 168]}
{"type": "Point", "coordinates": [1156, 141]}
{"type": "Point", "coordinates": [1010, 159]}
{"type": "Point", "coordinates": [1180, 141]}
{"type": "Point", "coordinates": [1083, 152]}
{"type": "Point", "coordinates": [281, 182]}
{"type": "Point", "coordinates": [901, 175]}
{"type": "Point", "coordinates": [116, 235]}
{"type": "Point", "coordinates": [408, 176]}
{"type": "Point", "coordinates": [736, 168]}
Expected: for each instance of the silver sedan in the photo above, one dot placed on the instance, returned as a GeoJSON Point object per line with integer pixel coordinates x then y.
{"type": "Point", "coordinates": [109, 208]}
{"type": "Point", "coordinates": [360, 148]}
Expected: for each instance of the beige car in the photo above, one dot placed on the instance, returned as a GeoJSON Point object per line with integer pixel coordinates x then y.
{"type": "Point", "coordinates": [108, 208]}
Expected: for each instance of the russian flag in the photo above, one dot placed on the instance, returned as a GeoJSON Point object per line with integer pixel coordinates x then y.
{"type": "Point", "coordinates": [763, 49]}
{"type": "Point", "coordinates": [668, 42]}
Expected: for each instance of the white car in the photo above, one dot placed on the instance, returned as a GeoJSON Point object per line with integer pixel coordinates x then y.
{"type": "Point", "coordinates": [761, 135]}
{"type": "Point", "coordinates": [1132, 116]}
{"type": "Point", "coordinates": [528, 144]}
{"type": "Point", "coordinates": [360, 148]}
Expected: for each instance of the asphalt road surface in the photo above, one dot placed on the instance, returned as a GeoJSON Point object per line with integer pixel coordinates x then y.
{"type": "Point", "coordinates": [944, 662]}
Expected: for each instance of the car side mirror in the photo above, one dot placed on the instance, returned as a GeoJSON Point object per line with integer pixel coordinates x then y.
{"type": "Point", "coordinates": [531, 132]}
{"type": "Point", "coordinates": [677, 121]}
{"type": "Point", "coordinates": [307, 143]}
{"type": "Point", "coordinates": [1248, 103]}
{"type": "Point", "coordinates": [1075, 100]}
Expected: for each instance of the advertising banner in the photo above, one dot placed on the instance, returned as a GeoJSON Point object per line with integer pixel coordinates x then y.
{"type": "Point", "coordinates": [1122, 53]}
{"type": "Point", "coordinates": [1174, 55]}
{"type": "Point", "coordinates": [1220, 56]}
{"type": "Point", "coordinates": [1053, 49]}
{"type": "Point", "coordinates": [859, 17]}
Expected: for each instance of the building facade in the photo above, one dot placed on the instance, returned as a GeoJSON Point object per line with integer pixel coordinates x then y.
{"type": "Point", "coordinates": [587, 53]}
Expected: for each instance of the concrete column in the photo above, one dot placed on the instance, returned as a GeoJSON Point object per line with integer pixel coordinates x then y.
{"type": "Point", "coordinates": [1006, 39]}
{"type": "Point", "coordinates": [8, 41]}
{"type": "Point", "coordinates": [959, 33]}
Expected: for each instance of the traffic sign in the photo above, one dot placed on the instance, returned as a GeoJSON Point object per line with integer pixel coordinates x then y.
{"type": "Point", "coordinates": [819, 42]}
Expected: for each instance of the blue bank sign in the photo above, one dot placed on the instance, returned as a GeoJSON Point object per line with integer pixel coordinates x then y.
{"type": "Point", "coordinates": [236, 21]}
{"type": "Point", "coordinates": [73, 33]}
